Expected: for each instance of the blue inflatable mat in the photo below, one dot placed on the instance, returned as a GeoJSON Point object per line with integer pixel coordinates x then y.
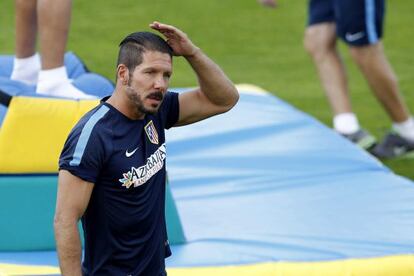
{"type": "Point", "coordinates": [266, 183]}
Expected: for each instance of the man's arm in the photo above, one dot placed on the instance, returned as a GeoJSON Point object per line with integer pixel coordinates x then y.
{"type": "Point", "coordinates": [72, 200]}
{"type": "Point", "coordinates": [216, 93]}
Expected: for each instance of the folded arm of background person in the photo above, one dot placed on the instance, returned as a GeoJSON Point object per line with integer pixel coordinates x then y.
{"type": "Point", "coordinates": [216, 93]}
{"type": "Point", "coordinates": [72, 199]}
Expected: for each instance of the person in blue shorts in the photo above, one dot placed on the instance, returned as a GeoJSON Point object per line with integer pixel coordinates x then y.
{"type": "Point", "coordinates": [112, 172]}
{"type": "Point", "coordinates": [360, 25]}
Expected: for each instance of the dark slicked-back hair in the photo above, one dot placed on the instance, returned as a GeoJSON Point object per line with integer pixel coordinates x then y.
{"type": "Point", "coordinates": [134, 45]}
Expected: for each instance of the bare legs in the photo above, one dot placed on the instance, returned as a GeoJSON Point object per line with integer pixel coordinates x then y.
{"type": "Point", "coordinates": [52, 19]}
{"type": "Point", "coordinates": [26, 28]}
{"type": "Point", "coordinates": [320, 42]}
{"type": "Point", "coordinates": [380, 76]}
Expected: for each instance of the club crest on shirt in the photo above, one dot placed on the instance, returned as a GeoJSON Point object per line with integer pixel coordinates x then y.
{"type": "Point", "coordinates": [151, 132]}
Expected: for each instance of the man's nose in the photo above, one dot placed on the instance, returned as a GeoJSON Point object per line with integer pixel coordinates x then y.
{"type": "Point", "coordinates": [161, 82]}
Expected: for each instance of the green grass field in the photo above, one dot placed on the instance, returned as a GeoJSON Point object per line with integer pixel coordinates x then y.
{"type": "Point", "coordinates": [251, 43]}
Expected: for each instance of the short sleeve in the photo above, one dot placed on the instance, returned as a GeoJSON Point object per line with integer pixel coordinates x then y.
{"type": "Point", "coordinates": [85, 149]}
{"type": "Point", "coordinates": [170, 109]}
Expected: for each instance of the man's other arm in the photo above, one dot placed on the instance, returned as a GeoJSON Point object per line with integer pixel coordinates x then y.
{"type": "Point", "coordinates": [72, 200]}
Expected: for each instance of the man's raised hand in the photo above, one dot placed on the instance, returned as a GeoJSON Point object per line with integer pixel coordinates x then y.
{"type": "Point", "coordinates": [177, 39]}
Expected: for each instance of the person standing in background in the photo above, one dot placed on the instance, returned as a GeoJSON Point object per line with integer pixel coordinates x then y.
{"type": "Point", "coordinates": [51, 19]}
{"type": "Point", "coordinates": [360, 25]}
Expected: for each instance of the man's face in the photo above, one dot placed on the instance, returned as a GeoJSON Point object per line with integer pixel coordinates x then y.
{"type": "Point", "coordinates": [149, 82]}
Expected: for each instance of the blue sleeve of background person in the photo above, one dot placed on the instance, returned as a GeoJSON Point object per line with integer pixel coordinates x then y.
{"type": "Point", "coordinates": [86, 147]}
{"type": "Point", "coordinates": [169, 110]}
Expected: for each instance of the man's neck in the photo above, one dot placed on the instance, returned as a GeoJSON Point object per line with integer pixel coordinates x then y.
{"type": "Point", "coordinates": [119, 102]}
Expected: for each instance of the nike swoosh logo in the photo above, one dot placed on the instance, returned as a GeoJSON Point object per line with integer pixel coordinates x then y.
{"type": "Point", "coordinates": [352, 37]}
{"type": "Point", "coordinates": [129, 154]}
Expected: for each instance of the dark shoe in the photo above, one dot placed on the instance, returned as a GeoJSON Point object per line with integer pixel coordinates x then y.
{"type": "Point", "coordinates": [393, 145]}
{"type": "Point", "coordinates": [362, 138]}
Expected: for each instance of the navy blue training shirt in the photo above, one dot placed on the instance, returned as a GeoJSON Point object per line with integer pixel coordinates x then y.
{"type": "Point", "coordinates": [124, 223]}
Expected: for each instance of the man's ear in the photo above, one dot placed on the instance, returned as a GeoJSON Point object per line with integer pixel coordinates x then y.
{"type": "Point", "coordinates": [123, 74]}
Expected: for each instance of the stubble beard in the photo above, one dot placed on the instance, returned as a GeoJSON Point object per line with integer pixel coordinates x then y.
{"type": "Point", "coordinates": [139, 104]}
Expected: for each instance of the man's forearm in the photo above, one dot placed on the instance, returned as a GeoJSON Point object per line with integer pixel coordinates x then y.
{"type": "Point", "coordinates": [69, 248]}
{"type": "Point", "coordinates": [212, 80]}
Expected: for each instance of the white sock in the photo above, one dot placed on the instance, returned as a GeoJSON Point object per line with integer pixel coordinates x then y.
{"type": "Point", "coordinates": [346, 123]}
{"type": "Point", "coordinates": [55, 82]}
{"type": "Point", "coordinates": [26, 69]}
{"type": "Point", "coordinates": [405, 129]}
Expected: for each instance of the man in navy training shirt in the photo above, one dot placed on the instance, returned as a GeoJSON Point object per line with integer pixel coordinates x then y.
{"type": "Point", "coordinates": [112, 167]}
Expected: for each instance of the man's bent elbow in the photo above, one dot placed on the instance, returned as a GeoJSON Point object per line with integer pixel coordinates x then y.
{"type": "Point", "coordinates": [233, 98]}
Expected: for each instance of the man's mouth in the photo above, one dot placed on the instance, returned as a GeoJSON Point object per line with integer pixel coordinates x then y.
{"type": "Point", "coordinates": [155, 99]}
{"type": "Point", "coordinates": [157, 96]}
